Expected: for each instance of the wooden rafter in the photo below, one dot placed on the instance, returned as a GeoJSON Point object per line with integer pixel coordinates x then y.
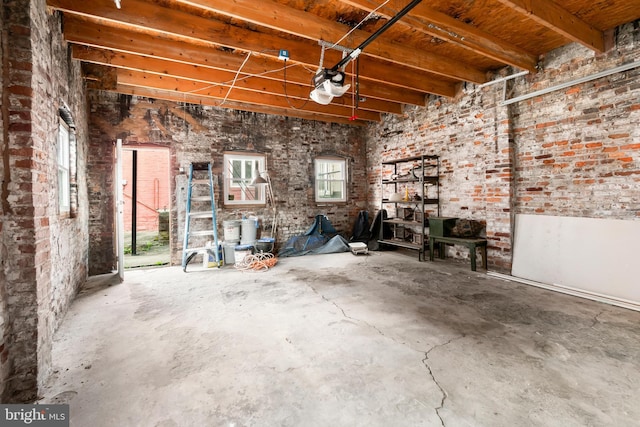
{"type": "Point", "coordinates": [216, 77]}
{"type": "Point", "coordinates": [303, 24]}
{"type": "Point", "coordinates": [306, 54]}
{"type": "Point", "coordinates": [185, 26]}
{"type": "Point", "coordinates": [429, 21]}
{"type": "Point", "coordinates": [128, 41]}
{"type": "Point", "coordinates": [179, 85]}
{"type": "Point", "coordinates": [201, 100]}
{"type": "Point", "coordinates": [558, 19]}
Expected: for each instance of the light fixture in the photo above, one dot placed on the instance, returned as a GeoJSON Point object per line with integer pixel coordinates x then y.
{"type": "Point", "coordinates": [328, 82]}
{"type": "Point", "coordinates": [117, 2]}
{"type": "Point", "coordinates": [259, 180]}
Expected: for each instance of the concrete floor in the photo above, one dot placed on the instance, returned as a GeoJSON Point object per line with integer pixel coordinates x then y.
{"type": "Point", "coordinates": [343, 340]}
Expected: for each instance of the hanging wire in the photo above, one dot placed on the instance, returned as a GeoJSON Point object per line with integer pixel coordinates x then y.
{"type": "Point", "coordinates": [366, 18]}
{"type": "Point", "coordinates": [235, 78]}
{"type": "Point", "coordinates": [286, 96]}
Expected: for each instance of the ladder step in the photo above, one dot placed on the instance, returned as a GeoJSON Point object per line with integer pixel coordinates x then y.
{"type": "Point", "coordinates": [201, 199]}
{"type": "Point", "coordinates": [203, 166]}
{"type": "Point", "coordinates": [200, 215]}
{"type": "Point", "coordinates": [201, 249]}
{"type": "Point", "coordinates": [200, 182]}
{"type": "Point", "coordinates": [201, 233]}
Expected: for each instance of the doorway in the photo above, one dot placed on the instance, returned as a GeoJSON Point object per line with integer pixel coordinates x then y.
{"type": "Point", "coordinates": [146, 191]}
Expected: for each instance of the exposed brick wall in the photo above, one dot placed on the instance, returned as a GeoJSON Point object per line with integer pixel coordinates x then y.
{"type": "Point", "coordinates": [573, 152]}
{"type": "Point", "coordinates": [46, 254]}
{"type": "Point", "coordinates": [100, 184]}
{"type": "Point", "coordinates": [203, 134]}
{"type": "Point", "coordinates": [18, 230]}
{"type": "Point", "coordinates": [5, 321]}
{"type": "Point", "coordinates": [578, 149]}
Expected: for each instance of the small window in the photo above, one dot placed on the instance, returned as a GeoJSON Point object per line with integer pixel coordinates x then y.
{"type": "Point", "coordinates": [331, 180]}
{"type": "Point", "coordinates": [239, 171]}
{"type": "Point", "coordinates": [64, 184]}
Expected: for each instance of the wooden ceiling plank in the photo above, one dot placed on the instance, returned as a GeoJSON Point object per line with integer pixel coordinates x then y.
{"type": "Point", "coordinates": [210, 76]}
{"type": "Point", "coordinates": [277, 16]}
{"type": "Point", "coordinates": [560, 20]}
{"type": "Point", "coordinates": [180, 24]}
{"type": "Point", "coordinates": [134, 78]}
{"type": "Point", "coordinates": [128, 41]}
{"type": "Point", "coordinates": [199, 100]}
{"type": "Point", "coordinates": [406, 85]}
{"type": "Point", "coordinates": [440, 25]}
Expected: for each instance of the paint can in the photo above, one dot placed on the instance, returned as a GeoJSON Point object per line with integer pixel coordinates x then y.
{"type": "Point", "coordinates": [231, 230]}
{"type": "Point", "coordinates": [240, 251]}
{"type": "Point", "coordinates": [249, 231]}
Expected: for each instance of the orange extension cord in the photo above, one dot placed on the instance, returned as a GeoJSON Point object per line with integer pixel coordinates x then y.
{"type": "Point", "coordinates": [258, 262]}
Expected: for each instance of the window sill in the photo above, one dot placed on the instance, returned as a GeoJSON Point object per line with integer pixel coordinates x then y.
{"type": "Point", "coordinates": [331, 203]}
{"type": "Point", "coordinates": [251, 206]}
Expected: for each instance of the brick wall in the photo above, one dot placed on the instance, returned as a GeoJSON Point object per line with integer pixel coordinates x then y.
{"type": "Point", "coordinates": [573, 152]}
{"type": "Point", "coordinates": [45, 253]}
{"type": "Point", "coordinates": [100, 187]}
{"type": "Point", "coordinates": [197, 134]}
{"type": "Point", "coordinates": [578, 150]}
{"type": "Point", "coordinates": [5, 321]}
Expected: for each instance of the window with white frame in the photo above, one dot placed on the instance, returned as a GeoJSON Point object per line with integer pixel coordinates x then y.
{"type": "Point", "coordinates": [64, 183]}
{"type": "Point", "coordinates": [331, 179]}
{"type": "Point", "coordinates": [240, 169]}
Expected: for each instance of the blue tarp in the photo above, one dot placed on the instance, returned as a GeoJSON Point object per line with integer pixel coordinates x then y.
{"type": "Point", "coordinates": [316, 240]}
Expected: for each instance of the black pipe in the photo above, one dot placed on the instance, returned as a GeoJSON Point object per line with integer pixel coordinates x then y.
{"type": "Point", "coordinates": [373, 36]}
{"type": "Point", "coordinates": [134, 201]}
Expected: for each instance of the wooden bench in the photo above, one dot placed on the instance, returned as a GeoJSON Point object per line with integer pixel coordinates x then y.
{"type": "Point", "coordinates": [470, 243]}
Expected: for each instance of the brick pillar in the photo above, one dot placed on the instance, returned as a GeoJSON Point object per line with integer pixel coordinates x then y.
{"type": "Point", "coordinates": [499, 184]}
{"type": "Point", "coordinates": [19, 348]}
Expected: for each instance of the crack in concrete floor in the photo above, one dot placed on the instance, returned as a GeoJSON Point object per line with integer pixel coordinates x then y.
{"type": "Point", "coordinates": [426, 353]}
{"type": "Point", "coordinates": [433, 377]}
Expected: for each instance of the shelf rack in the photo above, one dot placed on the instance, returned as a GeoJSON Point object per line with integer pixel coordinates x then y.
{"type": "Point", "coordinates": [408, 218]}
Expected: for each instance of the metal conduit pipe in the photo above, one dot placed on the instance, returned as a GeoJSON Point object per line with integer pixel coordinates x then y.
{"type": "Point", "coordinates": [580, 80]}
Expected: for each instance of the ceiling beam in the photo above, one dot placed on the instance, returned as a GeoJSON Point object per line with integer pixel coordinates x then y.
{"type": "Point", "coordinates": [201, 100]}
{"type": "Point", "coordinates": [148, 16]}
{"type": "Point", "coordinates": [274, 15]}
{"type": "Point", "coordinates": [92, 33]}
{"type": "Point", "coordinates": [211, 76]}
{"type": "Point", "coordinates": [560, 20]}
{"type": "Point", "coordinates": [135, 78]}
{"type": "Point", "coordinates": [437, 24]}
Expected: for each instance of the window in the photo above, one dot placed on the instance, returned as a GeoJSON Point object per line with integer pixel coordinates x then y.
{"type": "Point", "coordinates": [64, 183]}
{"type": "Point", "coordinates": [331, 179]}
{"type": "Point", "coordinates": [239, 171]}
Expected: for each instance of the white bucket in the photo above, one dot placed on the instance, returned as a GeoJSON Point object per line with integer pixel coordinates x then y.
{"type": "Point", "coordinates": [241, 251]}
{"type": "Point", "coordinates": [231, 230]}
{"type": "Point", "coordinates": [249, 231]}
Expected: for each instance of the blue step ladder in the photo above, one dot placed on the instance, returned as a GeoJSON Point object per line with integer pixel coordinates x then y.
{"type": "Point", "coordinates": [203, 209]}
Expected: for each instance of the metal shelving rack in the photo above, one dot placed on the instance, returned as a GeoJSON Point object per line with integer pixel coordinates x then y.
{"type": "Point", "coordinates": [417, 173]}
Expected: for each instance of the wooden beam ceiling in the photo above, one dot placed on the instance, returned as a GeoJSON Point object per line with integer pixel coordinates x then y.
{"type": "Point", "coordinates": [295, 22]}
{"type": "Point", "coordinates": [558, 19]}
{"type": "Point", "coordinates": [429, 21]}
{"type": "Point", "coordinates": [225, 53]}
